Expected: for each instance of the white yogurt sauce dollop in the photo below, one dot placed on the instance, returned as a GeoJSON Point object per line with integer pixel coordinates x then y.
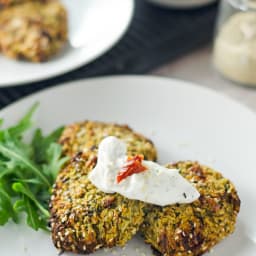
{"type": "Point", "coordinates": [156, 185]}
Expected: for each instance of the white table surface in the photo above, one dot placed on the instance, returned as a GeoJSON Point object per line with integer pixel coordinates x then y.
{"type": "Point", "coordinates": [197, 67]}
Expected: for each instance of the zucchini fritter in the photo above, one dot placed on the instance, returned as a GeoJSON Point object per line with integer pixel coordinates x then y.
{"type": "Point", "coordinates": [192, 229]}
{"type": "Point", "coordinates": [33, 31]}
{"type": "Point", "coordinates": [84, 219]}
{"type": "Point", "coordinates": [86, 136]}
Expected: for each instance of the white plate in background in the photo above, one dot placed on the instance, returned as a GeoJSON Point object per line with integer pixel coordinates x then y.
{"type": "Point", "coordinates": [183, 120]}
{"type": "Point", "coordinates": [182, 3]}
{"type": "Point", "coordinates": [94, 27]}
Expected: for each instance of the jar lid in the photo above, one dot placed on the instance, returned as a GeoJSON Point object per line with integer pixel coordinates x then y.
{"type": "Point", "coordinates": [182, 3]}
{"type": "Point", "coordinates": [243, 5]}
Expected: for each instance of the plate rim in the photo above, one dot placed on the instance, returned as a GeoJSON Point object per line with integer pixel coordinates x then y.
{"type": "Point", "coordinates": [79, 64]}
{"type": "Point", "coordinates": [195, 86]}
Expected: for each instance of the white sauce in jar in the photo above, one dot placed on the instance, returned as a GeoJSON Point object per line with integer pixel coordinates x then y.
{"type": "Point", "coordinates": [235, 48]}
{"type": "Point", "coordinates": [156, 185]}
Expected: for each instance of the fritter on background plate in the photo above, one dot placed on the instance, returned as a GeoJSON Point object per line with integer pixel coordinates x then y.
{"type": "Point", "coordinates": [193, 229]}
{"type": "Point", "coordinates": [33, 31]}
{"type": "Point", "coordinates": [7, 3]}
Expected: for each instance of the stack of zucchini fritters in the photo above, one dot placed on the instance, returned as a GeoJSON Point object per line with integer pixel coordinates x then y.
{"type": "Point", "coordinates": [84, 219]}
{"type": "Point", "coordinates": [33, 30]}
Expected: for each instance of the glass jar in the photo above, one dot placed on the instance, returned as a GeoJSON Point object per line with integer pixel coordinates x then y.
{"type": "Point", "coordinates": [234, 53]}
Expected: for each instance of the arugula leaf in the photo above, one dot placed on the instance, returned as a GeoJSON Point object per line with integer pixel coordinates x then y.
{"type": "Point", "coordinates": [4, 217]}
{"type": "Point", "coordinates": [54, 161]}
{"type": "Point", "coordinates": [28, 170]}
{"type": "Point", "coordinates": [41, 143]}
{"type": "Point", "coordinates": [14, 152]}
{"type": "Point", "coordinates": [33, 218]}
{"type": "Point", "coordinates": [24, 124]}
{"type": "Point", "coordinates": [29, 181]}
{"type": "Point", "coordinates": [20, 188]}
{"type": "Point", "coordinates": [4, 171]}
{"type": "Point", "coordinates": [6, 208]}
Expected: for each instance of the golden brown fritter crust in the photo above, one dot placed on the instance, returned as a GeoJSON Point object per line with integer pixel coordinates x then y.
{"type": "Point", "coordinates": [84, 219]}
{"type": "Point", "coordinates": [33, 31]}
{"type": "Point", "coordinates": [193, 229]}
{"type": "Point", "coordinates": [86, 136]}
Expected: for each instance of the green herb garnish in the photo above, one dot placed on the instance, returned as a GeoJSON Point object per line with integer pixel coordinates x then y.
{"type": "Point", "coordinates": [27, 172]}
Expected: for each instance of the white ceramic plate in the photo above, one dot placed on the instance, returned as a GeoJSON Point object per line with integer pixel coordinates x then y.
{"type": "Point", "coordinates": [94, 27]}
{"type": "Point", "coordinates": [184, 121]}
{"type": "Point", "coordinates": [182, 3]}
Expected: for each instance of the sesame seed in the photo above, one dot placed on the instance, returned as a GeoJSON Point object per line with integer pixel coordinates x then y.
{"type": "Point", "coordinates": [178, 231]}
